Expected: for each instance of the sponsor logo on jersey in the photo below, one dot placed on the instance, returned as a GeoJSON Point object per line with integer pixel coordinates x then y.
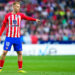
{"type": "Point", "coordinates": [15, 25]}
{"type": "Point", "coordinates": [14, 22]}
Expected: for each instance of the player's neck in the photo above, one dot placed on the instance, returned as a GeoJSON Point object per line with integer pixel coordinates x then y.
{"type": "Point", "coordinates": [14, 12]}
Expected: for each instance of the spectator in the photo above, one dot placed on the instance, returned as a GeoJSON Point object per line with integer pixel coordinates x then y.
{"type": "Point", "coordinates": [57, 20]}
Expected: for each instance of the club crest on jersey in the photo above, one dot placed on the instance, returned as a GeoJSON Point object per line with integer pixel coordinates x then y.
{"type": "Point", "coordinates": [14, 22]}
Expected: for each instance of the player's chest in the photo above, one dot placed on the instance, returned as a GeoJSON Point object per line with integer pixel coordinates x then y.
{"type": "Point", "coordinates": [14, 19]}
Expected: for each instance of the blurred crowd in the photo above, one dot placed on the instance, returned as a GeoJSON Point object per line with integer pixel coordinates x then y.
{"type": "Point", "coordinates": [57, 20]}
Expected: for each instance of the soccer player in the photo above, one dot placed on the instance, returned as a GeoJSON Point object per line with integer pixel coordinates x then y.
{"type": "Point", "coordinates": [13, 34]}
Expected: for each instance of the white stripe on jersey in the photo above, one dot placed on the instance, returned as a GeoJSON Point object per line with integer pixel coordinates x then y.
{"type": "Point", "coordinates": [12, 26]}
{"type": "Point", "coordinates": [9, 27]}
{"type": "Point", "coordinates": [19, 20]}
{"type": "Point", "coordinates": [19, 25]}
{"type": "Point", "coordinates": [16, 26]}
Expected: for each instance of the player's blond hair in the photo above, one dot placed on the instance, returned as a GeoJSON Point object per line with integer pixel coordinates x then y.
{"type": "Point", "coordinates": [16, 2]}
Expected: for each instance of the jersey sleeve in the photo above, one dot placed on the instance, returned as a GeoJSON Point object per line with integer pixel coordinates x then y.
{"type": "Point", "coordinates": [3, 24]}
{"type": "Point", "coordinates": [23, 16]}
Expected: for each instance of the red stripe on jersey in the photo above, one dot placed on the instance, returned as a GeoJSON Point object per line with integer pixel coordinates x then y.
{"type": "Point", "coordinates": [7, 29]}
{"type": "Point", "coordinates": [18, 20]}
{"type": "Point", "coordinates": [11, 26]}
{"type": "Point", "coordinates": [17, 32]}
{"type": "Point", "coordinates": [14, 26]}
{"type": "Point", "coordinates": [18, 25]}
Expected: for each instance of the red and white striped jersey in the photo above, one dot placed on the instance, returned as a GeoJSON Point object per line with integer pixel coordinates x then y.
{"type": "Point", "coordinates": [14, 20]}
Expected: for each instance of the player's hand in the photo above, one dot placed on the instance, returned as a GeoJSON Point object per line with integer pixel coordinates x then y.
{"type": "Point", "coordinates": [37, 20]}
{"type": "Point", "coordinates": [0, 39]}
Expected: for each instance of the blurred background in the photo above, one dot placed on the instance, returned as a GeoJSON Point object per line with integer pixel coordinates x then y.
{"type": "Point", "coordinates": [48, 46]}
{"type": "Point", "coordinates": [57, 21]}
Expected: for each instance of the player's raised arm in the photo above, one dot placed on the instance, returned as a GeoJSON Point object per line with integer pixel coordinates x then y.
{"type": "Point", "coordinates": [29, 18]}
{"type": "Point", "coordinates": [3, 25]}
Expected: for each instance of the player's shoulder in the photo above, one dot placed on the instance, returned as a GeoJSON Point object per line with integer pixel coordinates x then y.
{"type": "Point", "coordinates": [21, 13]}
{"type": "Point", "coordinates": [8, 14]}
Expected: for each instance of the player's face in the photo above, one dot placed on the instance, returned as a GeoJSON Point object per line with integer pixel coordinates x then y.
{"type": "Point", "coordinates": [16, 8]}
